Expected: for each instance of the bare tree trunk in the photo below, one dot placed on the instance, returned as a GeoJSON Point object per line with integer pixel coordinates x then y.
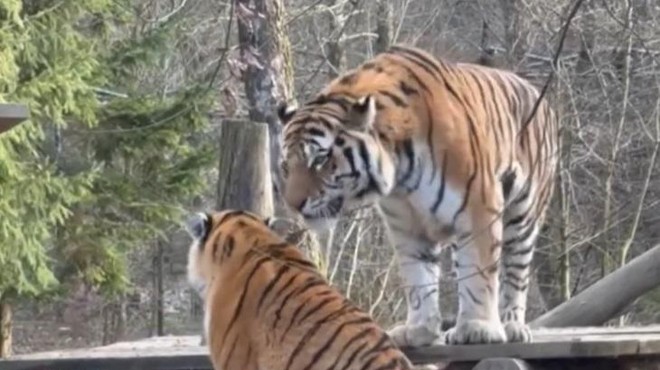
{"type": "Point", "coordinates": [564, 256]}
{"type": "Point", "coordinates": [244, 178]}
{"type": "Point", "coordinates": [514, 34]}
{"type": "Point", "coordinates": [564, 219]}
{"type": "Point", "coordinates": [553, 263]}
{"type": "Point", "coordinates": [154, 294]}
{"type": "Point", "coordinates": [384, 26]}
{"type": "Point", "coordinates": [158, 272]}
{"type": "Point", "coordinates": [120, 312]}
{"type": "Point", "coordinates": [105, 339]}
{"type": "Point", "coordinates": [114, 320]}
{"type": "Point", "coordinates": [587, 38]}
{"type": "Point", "coordinates": [608, 262]}
{"type": "Point", "coordinates": [5, 328]}
{"type": "Point", "coordinates": [119, 318]}
{"type": "Point", "coordinates": [268, 79]}
{"type": "Point", "coordinates": [607, 297]}
{"type": "Point", "coordinates": [334, 52]}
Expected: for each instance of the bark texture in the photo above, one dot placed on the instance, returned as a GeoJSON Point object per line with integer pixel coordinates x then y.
{"type": "Point", "coordinates": [384, 26]}
{"type": "Point", "coordinates": [268, 76]}
{"type": "Point", "coordinates": [245, 180]}
{"type": "Point", "coordinates": [5, 328]}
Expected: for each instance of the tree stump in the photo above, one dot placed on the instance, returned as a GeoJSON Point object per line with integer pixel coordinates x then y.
{"type": "Point", "coordinates": [244, 176]}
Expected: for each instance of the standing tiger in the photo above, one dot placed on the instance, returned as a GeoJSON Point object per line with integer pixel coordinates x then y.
{"type": "Point", "coordinates": [268, 307]}
{"type": "Point", "coordinates": [451, 154]}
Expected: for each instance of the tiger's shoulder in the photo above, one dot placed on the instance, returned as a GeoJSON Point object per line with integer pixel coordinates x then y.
{"type": "Point", "coordinates": [400, 81]}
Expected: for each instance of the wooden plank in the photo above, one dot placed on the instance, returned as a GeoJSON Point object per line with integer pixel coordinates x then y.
{"type": "Point", "coordinates": [544, 333]}
{"type": "Point", "coordinates": [179, 362]}
{"type": "Point", "coordinates": [11, 115]}
{"type": "Point", "coordinates": [549, 346]}
{"type": "Point", "coordinates": [167, 347]}
{"type": "Point", "coordinates": [162, 353]}
{"type": "Point", "coordinates": [553, 344]}
{"type": "Point", "coordinates": [618, 363]}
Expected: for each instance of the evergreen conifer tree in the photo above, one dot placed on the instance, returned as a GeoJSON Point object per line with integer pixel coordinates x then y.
{"type": "Point", "coordinates": [89, 176]}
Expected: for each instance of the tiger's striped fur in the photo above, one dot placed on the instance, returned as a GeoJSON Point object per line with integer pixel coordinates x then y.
{"type": "Point", "coordinates": [444, 150]}
{"type": "Point", "coordinates": [267, 306]}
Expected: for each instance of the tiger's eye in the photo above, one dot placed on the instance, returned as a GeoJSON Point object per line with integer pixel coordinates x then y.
{"type": "Point", "coordinates": [319, 161]}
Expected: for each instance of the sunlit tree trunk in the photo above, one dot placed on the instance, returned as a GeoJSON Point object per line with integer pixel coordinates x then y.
{"type": "Point", "coordinates": [608, 261]}
{"type": "Point", "coordinates": [5, 328]}
{"type": "Point", "coordinates": [333, 49]}
{"type": "Point", "coordinates": [268, 75]}
{"type": "Point", "coordinates": [384, 26]}
{"type": "Point", "coordinates": [514, 33]}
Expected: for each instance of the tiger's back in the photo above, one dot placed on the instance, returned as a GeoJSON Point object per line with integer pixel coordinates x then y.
{"type": "Point", "coordinates": [449, 105]}
{"type": "Point", "coordinates": [269, 308]}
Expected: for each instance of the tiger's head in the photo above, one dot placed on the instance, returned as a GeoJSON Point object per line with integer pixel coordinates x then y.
{"type": "Point", "coordinates": [219, 236]}
{"type": "Point", "coordinates": [332, 157]}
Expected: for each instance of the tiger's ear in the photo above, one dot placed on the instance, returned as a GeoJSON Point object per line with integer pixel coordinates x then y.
{"type": "Point", "coordinates": [363, 113]}
{"type": "Point", "coordinates": [198, 225]}
{"type": "Point", "coordinates": [285, 112]}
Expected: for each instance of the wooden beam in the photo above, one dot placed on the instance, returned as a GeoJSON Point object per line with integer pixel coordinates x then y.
{"type": "Point", "coordinates": [155, 353]}
{"type": "Point", "coordinates": [608, 296]}
{"type": "Point", "coordinates": [566, 349]}
{"type": "Point", "coordinates": [179, 362]}
{"type": "Point", "coordinates": [555, 343]}
{"type": "Point", "coordinates": [11, 115]}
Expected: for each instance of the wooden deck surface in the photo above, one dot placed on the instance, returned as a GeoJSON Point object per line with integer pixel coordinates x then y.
{"type": "Point", "coordinates": [184, 352]}
{"type": "Point", "coordinates": [11, 115]}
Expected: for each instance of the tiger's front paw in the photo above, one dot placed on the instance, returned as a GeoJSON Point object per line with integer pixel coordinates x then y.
{"type": "Point", "coordinates": [476, 332]}
{"type": "Point", "coordinates": [517, 332]}
{"type": "Point", "coordinates": [415, 335]}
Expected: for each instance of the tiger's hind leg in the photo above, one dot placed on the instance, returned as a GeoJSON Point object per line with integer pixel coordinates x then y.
{"type": "Point", "coordinates": [476, 260]}
{"type": "Point", "coordinates": [419, 269]}
{"type": "Point", "coordinates": [521, 227]}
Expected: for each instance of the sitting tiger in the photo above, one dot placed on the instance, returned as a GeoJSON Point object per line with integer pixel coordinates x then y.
{"type": "Point", "coordinates": [451, 155]}
{"type": "Point", "coordinates": [268, 307]}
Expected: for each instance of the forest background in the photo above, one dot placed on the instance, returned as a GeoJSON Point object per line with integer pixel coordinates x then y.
{"type": "Point", "coordinates": [127, 98]}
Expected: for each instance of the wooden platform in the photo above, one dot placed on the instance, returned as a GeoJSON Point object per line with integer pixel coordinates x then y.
{"type": "Point", "coordinates": [584, 348]}
{"type": "Point", "coordinates": [11, 115]}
